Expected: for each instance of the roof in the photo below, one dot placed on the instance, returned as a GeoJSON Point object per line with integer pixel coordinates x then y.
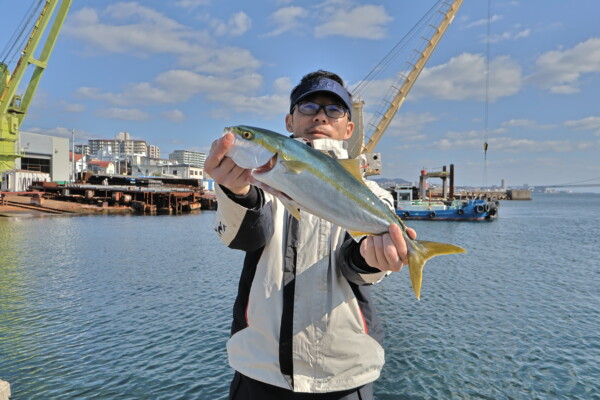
{"type": "Point", "coordinates": [101, 164]}
{"type": "Point", "coordinates": [77, 156]}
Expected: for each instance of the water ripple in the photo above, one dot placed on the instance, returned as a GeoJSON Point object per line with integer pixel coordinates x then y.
{"type": "Point", "coordinates": [136, 308]}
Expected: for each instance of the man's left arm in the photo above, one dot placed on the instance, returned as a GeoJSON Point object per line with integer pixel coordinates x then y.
{"type": "Point", "coordinates": [374, 257]}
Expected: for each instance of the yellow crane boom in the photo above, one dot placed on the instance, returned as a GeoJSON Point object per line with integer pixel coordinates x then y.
{"type": "Point", "coordinates": [447, 10]}
{"type": "Point", "coordinates": [412, 77]}
{"type": "Point", "coordinates": [13, 107]}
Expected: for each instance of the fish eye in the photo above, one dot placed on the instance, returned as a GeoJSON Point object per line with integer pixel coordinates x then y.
{"type": "Point", "coordinates": [247, 135]}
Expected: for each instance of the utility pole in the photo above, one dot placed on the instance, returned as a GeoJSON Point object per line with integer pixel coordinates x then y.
{"type": "Point", "coordinates": [73, 164]}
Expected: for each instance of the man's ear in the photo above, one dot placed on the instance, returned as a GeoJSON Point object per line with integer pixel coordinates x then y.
{"type": "Point", "coordinates": [349, 130]}
{"type": "Point", "coordinates": [289, 119]}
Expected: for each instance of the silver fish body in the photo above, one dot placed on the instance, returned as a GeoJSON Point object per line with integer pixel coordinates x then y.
{"type": "Point", "coordinates": [328, 188]}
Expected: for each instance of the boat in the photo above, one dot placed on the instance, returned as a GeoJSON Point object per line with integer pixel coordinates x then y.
{"type": "Point", "coordinates": [408, 208]}
{"type": "Point", "coordinates": [413, 203]}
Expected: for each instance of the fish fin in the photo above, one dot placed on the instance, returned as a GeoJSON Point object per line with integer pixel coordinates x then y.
{"type": "Point", "coordinates": [291, 208]}
{"type": "Point", "coordinates": [352, 165]}
{"type": "Point", "coordinates": [294, 166]}
{"type": "Point", "coordinates": [356, 235]}
{"type": "Point", "coordinates": [423, 251]}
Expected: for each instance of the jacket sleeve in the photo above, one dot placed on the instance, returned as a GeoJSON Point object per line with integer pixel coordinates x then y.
{"type": "Point", "coordinates": [243, 222]}
{"type": "Point", "coordinates": [353, 265]}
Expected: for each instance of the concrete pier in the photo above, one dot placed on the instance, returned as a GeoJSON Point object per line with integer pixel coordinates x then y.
{"type": "Point", "coordinates": [4, 390]}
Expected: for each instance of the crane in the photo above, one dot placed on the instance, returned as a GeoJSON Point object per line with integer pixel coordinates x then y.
{"type": "Point", "coordinates": [14, 107]}
{"type": "Point", "coordinates": [443, 10]}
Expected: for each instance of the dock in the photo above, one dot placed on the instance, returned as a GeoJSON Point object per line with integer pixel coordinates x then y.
{"type": "Point", "coordinates": [112, 194]}
{"type": "Point", "coordinates": [4, 390]}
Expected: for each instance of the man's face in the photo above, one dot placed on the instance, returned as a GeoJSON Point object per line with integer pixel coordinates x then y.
{"type": "Point", "coordinates": [320, 125]}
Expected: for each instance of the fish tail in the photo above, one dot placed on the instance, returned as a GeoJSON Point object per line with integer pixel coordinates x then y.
{"type": "Point", "coordinates": [421, 252]}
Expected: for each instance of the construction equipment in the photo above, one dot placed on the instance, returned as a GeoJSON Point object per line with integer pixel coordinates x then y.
{"type": "Point", "coordinates": [444, 12]}
{"type": "Point", "coordinates": [14, 107]}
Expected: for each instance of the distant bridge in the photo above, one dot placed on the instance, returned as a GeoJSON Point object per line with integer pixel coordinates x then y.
{"type": "Point", "coordinates": [565, 186]}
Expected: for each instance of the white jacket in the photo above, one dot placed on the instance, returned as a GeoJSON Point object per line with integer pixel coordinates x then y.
{"type": "Point", "coordinates": [303, 318]}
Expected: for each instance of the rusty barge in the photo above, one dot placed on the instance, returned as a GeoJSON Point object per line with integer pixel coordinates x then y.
{"type": "Point", "coordinates": [144, 195]}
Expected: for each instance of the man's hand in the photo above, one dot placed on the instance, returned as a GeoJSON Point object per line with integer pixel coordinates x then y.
{"type": "Point", "coordinates": [387, 252]}
{"type": "Point", "coordinates": [222, 168]}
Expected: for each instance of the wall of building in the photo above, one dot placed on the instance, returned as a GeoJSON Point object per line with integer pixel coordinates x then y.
{"type": "Point", "coordinates": [52, 148]}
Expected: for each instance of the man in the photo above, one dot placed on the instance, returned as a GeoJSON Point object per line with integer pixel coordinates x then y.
{"type": "Point", "coordinates": [304, 326]}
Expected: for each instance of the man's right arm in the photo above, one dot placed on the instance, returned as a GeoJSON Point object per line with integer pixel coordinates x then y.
{"type": "Point", "coordinates": [244, 218]}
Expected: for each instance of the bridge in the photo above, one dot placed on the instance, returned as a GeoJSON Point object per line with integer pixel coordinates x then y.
{"type": "Point", "coordinates": [588, 183]}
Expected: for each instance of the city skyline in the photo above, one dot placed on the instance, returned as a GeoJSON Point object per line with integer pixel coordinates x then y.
{"type": "Point", "coordinates": [177, 73]}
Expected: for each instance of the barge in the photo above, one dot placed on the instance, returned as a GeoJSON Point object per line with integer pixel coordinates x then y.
{"type": "Point", "coordinates": [413, 203]}
{"type": "Point", "coordinates": [144, 195]}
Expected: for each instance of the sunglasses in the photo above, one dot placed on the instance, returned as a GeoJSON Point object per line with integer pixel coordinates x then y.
{"type": "Point", "coordinates": [331, 110]}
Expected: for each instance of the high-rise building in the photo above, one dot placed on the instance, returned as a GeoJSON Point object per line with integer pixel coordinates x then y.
{"type": "Point", "coordinates": [123, 136]}
{"type": "Point", "coordinates": [153, 151]}
{"type": "Point", "coordinates": [118, 146]}
{"type": "Point", "coordinates": [193, 158]}
{"type": "Point", "coordinates": [82, 149]}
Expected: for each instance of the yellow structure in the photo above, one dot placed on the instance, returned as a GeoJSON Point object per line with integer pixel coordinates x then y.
{"type": "Point", "coordinates": [13, 107]}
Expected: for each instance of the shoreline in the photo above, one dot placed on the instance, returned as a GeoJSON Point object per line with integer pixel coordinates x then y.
{"type": "Point", "coordinates": [17, 206]}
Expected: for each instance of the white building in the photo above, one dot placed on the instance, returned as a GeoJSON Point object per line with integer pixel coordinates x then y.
{"type": "Point", "coordinates": [44, 153]}
{"type": "Point", "coordinates": [194, 158]}
{"type": "Point", "coordinates": [153, 151]}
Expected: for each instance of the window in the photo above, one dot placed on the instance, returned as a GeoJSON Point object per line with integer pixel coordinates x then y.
{"type": "Point", "coordinates": [35, 164]}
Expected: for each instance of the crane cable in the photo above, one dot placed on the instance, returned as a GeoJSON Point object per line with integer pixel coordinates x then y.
{"type": "Point", "coordinates": [487, 94]}
{"type": "Point", "coordinates": [17, 41]}
{"type": "Point", "coordinates": [399, 78]}
{"type": "Point", "coordinates": [393, 53]}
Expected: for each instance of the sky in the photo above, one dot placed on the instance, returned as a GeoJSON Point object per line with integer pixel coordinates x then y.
{"type": "Point", "coordinates": [176, 73]}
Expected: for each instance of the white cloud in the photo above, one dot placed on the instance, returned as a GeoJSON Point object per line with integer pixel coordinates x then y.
{"type": "Point", "coordinates": [481, 22]}
{"type": "Point", "coordinates": [282, 85]}
{"type": "Point", "coordinates": [191, 4]}
{"type": "Point", "coordinates": [72, 107]}
{"type": "Point", "coordinates": [140, 93]}
{"type": "Point", "coordinates": [237, 25]}
{"type": "Point", "coordinates": [61, 131]}
{"type": "Point", "coordinates": [559, 71]}
{"type": "Point", "coordinates": [588, 124]}
{"type": "Point", "coordinates": [127, 114]}
{"type": "Point", "coordinates": [519, 122]}
{"type": "Point", "coordinates": [222, 61]}
{"type": "Point", "coordinates": [526, 123]}
{"type": "Point", "coordinates": [339, 18]}
{"type": "Point", "coordinates": [511, 145]}
{"type": "Point", "coordinates": [182, 85]}
{"type": "Point", "coordinates": [287, 19]}
{"type": "Point", "coordinates": [176, 86]}
{"type": "Point", "coordinates": [463, 78]}
{"type": "Point", "coordinates": [174, 115]}
{"type": "Point", "coordinates": [147, 32]}
{"type": "Point", "coordinates": [410, 125]}
{"type": "Point", "coordinates": [509, 36]}
{"type": "Point", "coordinates": [367, 22]}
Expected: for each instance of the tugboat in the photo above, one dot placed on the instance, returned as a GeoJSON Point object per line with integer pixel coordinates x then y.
{"type": "Point", "coordinates": [413, 204]}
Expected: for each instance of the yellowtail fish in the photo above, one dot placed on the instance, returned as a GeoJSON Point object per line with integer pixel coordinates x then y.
{"type": "Point", "coordinates": [305, 178]}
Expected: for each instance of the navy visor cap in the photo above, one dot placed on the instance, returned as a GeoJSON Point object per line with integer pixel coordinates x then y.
{"type": "Point", "coordinates": [321, 85]}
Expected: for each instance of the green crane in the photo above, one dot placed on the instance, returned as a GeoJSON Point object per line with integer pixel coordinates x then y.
{"type": "Point", "coordinates": [13, 107]}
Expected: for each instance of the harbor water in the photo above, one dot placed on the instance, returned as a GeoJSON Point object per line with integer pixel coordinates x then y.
{"type": "Point", "coordinates": [131, 307]}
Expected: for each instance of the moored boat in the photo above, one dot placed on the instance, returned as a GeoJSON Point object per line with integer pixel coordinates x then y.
{"type": "Point", "coordinates": [408, 208]}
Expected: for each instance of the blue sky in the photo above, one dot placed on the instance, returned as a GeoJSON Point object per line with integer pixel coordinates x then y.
{"type": "Point", "coordinates": [175, 73]}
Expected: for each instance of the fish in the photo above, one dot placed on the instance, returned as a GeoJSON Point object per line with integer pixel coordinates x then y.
{"type": "Point", "coordinates": [304, 178]}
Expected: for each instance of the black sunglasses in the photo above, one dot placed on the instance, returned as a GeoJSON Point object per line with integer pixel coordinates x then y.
{"type": "Point", "coordinates": [331, 110]}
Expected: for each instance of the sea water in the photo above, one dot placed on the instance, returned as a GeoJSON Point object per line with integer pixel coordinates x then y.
{"type": "Point", "coordinates": [132, 307]}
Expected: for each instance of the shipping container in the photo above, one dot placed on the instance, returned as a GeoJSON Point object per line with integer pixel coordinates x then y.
{"type": "Point", "coordinates": [21, 180]}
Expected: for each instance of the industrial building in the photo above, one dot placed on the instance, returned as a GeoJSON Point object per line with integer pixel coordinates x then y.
{"type": "Point", "coordinates": [43, 153]}
{"type": "Point", "coordinates": [193, 158]}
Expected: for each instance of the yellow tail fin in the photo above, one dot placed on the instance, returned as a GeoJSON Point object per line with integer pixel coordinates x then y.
{"type": "Point", "coordinates": [421, 252]}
